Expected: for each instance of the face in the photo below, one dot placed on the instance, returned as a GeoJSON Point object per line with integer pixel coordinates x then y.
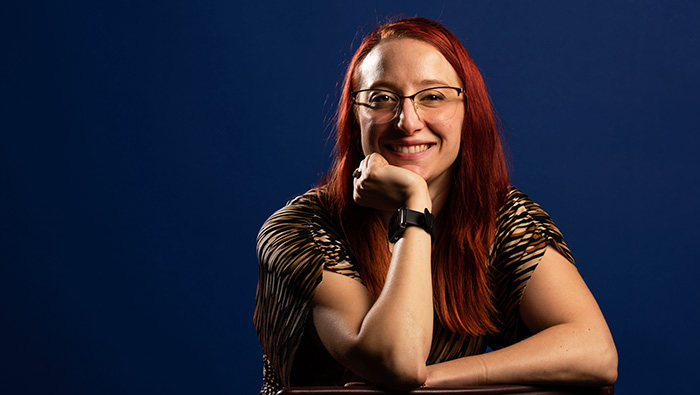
{"type": "Point", "coordinates": [428, 148]}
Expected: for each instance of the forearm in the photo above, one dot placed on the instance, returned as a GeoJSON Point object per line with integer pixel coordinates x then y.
{"type": "Point", "coordinates": [397, 330]}
{"type": "Point", "coordinates": [390, 343]}
{"type": "Point", "coordinates": [566, 354]}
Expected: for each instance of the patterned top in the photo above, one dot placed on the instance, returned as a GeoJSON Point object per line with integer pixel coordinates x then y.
{"type": "Point", "coordinates": [302, 239]}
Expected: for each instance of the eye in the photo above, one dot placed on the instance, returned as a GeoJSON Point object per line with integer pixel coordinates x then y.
{"type": "Point", "coordinates": [381, 97]}
{"type": "Point", "coordinates": [431, 96]}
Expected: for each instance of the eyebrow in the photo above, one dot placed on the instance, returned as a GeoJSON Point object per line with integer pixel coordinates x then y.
{"type": "Point", "coordinates": [434, 82]}
{"type": "Point", "coordinates": [423, 83]}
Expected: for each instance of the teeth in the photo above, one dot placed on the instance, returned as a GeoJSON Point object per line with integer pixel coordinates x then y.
{"type": "Point", "coordinates": [410, 149]}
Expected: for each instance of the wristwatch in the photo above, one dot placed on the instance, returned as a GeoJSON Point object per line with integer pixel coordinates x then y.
{"type": "Point", "coordinates": [404, 217]}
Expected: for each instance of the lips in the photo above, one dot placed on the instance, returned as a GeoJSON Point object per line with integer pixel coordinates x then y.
{"type": "Point", "coordinates": [409, 149]}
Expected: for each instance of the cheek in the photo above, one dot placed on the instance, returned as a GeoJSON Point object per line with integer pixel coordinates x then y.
{"type": "Point", "coordinates": [451, 136]}
{"type": "Point", "coordinates": [449, 131]}
{"type": "Point", "coordinates": [370, 134]}
{"type": "Point", "coordinates": [455, 130]}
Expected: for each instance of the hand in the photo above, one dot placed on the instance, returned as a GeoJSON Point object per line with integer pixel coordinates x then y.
{"type": "Point", "coordinates": [383, 186]}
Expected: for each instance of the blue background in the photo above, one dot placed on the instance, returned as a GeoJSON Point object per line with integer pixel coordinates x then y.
{"type": "Point", "coordinates": [144, 143]}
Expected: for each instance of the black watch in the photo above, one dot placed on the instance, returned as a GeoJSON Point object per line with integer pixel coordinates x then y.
{"type": "Point", "coordinates": [404, 217]}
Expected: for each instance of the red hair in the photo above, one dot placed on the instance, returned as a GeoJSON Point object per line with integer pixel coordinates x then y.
{"type": "Point", "coordinates": [465, 228]}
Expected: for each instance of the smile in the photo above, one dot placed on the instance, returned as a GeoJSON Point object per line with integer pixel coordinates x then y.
{"type": "Point", "coordinates": [410, 149]}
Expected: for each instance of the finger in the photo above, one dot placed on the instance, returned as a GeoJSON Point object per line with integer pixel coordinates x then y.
{"type": "Point", "coordinates": [357, 174]}
{"type": "Point", "coordinates": [376, 159]}
{"type": "Point", "coordinates": [360, 180]}
{"type": "Point", "coordinates": [372, 164]}
{"type": "Point", "coordinates": [361, 169]}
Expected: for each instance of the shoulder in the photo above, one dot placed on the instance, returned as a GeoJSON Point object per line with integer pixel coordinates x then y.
{"type": "Point", "coordinates": [519, 209]}
{"type": "Point", "coordinates": [303, 232]}
{"type": "Point", "coordinates": [297, 210]}
{"type": "Point", "coordinates": [296, 217]}
{"type": "Point", "coordinates": [289, 229]}
{"type": "Point", "coordinates": [522, 222]}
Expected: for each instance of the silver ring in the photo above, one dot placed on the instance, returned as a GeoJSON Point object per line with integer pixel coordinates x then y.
{"type": "Point", "coordinates": [357, 173]}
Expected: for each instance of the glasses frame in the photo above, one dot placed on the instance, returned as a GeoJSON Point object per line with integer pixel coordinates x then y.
{"type": "Point", "coordinates": [396, 110]}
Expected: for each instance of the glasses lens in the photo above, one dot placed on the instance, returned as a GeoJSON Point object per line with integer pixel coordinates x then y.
{"type": "Point", "coordinates": [378, 104]}
{"type": "Point", "coordinates": [437, 104]}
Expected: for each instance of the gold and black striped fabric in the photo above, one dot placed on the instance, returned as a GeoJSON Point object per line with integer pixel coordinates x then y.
{"type": "Point", "coordinates": [301, 240]}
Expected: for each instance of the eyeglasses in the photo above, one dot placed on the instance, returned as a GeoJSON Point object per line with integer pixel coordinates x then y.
{"type": "Point", "coordinates": [432, 104]}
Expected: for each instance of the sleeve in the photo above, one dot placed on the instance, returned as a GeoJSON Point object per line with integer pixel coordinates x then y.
{"type": "Point", "coordinates": [524, 231]}
{"type": "Point", "coordinates": [294, 246]}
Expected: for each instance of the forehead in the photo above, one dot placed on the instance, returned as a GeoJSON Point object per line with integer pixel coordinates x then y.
{"type": "Point", "coordinates": [405, 64]}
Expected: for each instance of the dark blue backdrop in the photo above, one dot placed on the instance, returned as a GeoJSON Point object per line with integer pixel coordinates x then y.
{"type": "Point", "coordinates": [144, 143]}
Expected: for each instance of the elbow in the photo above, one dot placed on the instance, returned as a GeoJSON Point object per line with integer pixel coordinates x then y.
{"type": "Point", "coordinates": [404, 375]}
{"type": "Point", "coordinates": [396, 370]}
{"type": "Point", "coordinates": [604, 370]}
{"type": "Point", "coordinates": [610, 377]}
{"type": "Point", "coordinates": [608, 370]}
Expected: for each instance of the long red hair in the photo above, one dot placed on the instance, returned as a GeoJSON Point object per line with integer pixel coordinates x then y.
{"type": "Point", "coordinates": [465, 228]}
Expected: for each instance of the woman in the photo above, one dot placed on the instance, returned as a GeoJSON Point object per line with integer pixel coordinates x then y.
{"type": "Point", "coordinates": [415, 254]}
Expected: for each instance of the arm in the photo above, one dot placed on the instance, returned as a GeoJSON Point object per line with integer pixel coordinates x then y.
{"type": "Point", "coordinates": [571, 343]}
{"type": "Point", "coordinates": [386, 340]}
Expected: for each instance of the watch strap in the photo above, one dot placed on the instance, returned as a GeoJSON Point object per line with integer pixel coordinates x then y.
{"type": "Point", "coordinates": [405, 217]}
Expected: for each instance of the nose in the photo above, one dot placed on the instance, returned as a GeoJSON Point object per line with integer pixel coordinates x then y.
{"type": "Point", "coordinates": [408, 119]}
